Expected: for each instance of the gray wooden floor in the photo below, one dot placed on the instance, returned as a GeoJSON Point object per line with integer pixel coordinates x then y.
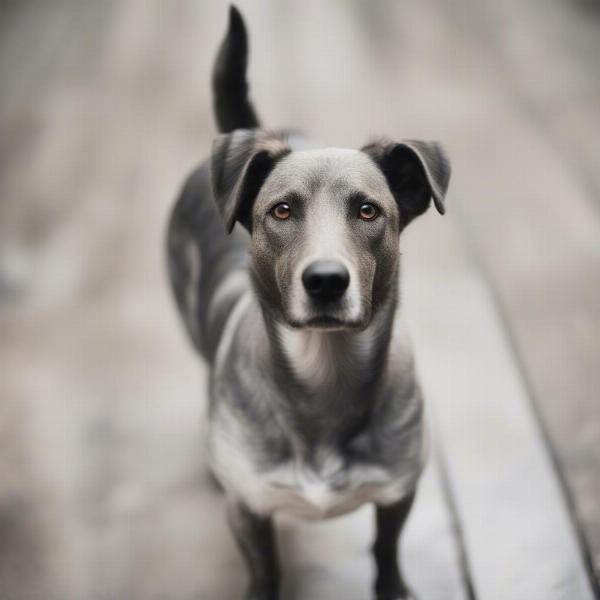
{"type": "Point", "coordinates": [105, 106]}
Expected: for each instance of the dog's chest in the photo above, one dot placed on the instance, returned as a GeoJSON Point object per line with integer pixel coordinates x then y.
{"type": "Point", "coordinates": [326, 487]}
{"type": "Point", "coordinates": [304, 492]}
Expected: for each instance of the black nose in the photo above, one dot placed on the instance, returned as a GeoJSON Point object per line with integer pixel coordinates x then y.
{"type": "Point", "coordinates": [325, 279]}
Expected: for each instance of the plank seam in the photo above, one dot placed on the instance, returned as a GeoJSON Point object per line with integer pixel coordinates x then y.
{"type": "Point", "coordinates": [520, 366]}
{"type": "Point", "coordinates": [449, 496]}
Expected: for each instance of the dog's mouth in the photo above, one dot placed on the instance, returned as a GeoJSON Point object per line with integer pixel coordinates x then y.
{"type": "Point", "coordinates": [326, 322]}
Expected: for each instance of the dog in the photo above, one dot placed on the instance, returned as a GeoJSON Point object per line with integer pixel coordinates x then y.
{"type": "Point", "coordinates": [315, 408]}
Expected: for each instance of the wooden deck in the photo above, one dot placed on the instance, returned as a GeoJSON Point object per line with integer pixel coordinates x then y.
{"type": "Point", "coordinates": [105, 106]}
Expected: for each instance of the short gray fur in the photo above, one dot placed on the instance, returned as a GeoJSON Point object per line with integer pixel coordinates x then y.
{"type": "Point", "coordinates": [314, 406]}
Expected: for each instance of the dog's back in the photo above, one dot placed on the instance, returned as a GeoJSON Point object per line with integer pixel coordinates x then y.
{"type": "Point", "coordinates": [206, 266]}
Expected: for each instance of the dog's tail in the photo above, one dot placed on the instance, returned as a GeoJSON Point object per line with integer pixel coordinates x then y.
{"type": "Point", "coordinates": [233, 109]}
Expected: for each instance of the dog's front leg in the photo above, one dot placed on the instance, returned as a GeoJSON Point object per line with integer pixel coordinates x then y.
{"type": "Point", "coordinates": [255, 536]}
{"type": "Point", "coordinates": [389, 583]}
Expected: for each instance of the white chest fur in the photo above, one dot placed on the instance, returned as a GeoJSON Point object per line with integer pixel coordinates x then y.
{"type": "Point", "coordinates": [300, 490]}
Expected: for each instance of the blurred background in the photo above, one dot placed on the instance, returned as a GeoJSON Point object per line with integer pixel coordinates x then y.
{"type": "Point", "coordinates": [105, 106]}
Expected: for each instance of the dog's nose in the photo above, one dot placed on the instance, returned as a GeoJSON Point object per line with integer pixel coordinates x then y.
{"type": "Point", "coordinates": [326, 279]}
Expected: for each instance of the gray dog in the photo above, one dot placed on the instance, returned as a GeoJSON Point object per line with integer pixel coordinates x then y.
{"type": "Point", "coordinates": [314, 404]}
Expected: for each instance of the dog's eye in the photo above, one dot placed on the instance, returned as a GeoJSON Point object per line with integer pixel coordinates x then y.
{"type": "Point", "coordinates": [281, 211]}
{"type": "Point", "coordinates": [368, 211]}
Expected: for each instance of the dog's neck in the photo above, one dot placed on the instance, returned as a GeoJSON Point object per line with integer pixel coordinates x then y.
{"type": "Point", "coordinates": [330, 379]}
{"type": "Point", "coordinates": [318, 360]}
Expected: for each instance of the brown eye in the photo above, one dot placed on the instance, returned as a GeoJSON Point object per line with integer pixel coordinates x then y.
{"type": "Point", "coordinates": [281, 211]}
{"type": "Point", "coordinates": [368, 211]}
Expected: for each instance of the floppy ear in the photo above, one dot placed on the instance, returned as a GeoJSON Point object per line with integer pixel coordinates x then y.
{"type": "Point", "coordinates": [415, 171]}
{"type": "Point", "coordinates": [241, 162]}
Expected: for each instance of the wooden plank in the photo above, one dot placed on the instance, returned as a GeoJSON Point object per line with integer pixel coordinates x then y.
{"type": "Point", "coordinates": [546, 275]}
{"type": "Point", "coordinates": [551, 64]}
{"type": "Point", "coordinates": [519, 537]}
{"type": "Point", "coordinates": [331, 559]}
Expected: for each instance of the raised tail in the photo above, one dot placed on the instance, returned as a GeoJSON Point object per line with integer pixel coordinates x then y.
{"type": "Point", "coordinates": [207, 267]}
{"type": "Point", "coordinates": [233, 109]}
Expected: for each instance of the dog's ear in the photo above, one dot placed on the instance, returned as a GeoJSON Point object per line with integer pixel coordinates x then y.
{"type": "Point", "coordinates": [241, 162]}
{"type": "Point", "coordinates": [415, 171]}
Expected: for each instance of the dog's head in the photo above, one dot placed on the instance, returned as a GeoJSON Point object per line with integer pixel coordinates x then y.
{"type": "Point", "coordinates": [324, 224]}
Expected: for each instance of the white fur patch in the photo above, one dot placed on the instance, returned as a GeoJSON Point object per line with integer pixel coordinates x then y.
{"type": "Point", "coordinates": [295, 489]}
{"type": "Point", "coordinates": [315, 357]}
